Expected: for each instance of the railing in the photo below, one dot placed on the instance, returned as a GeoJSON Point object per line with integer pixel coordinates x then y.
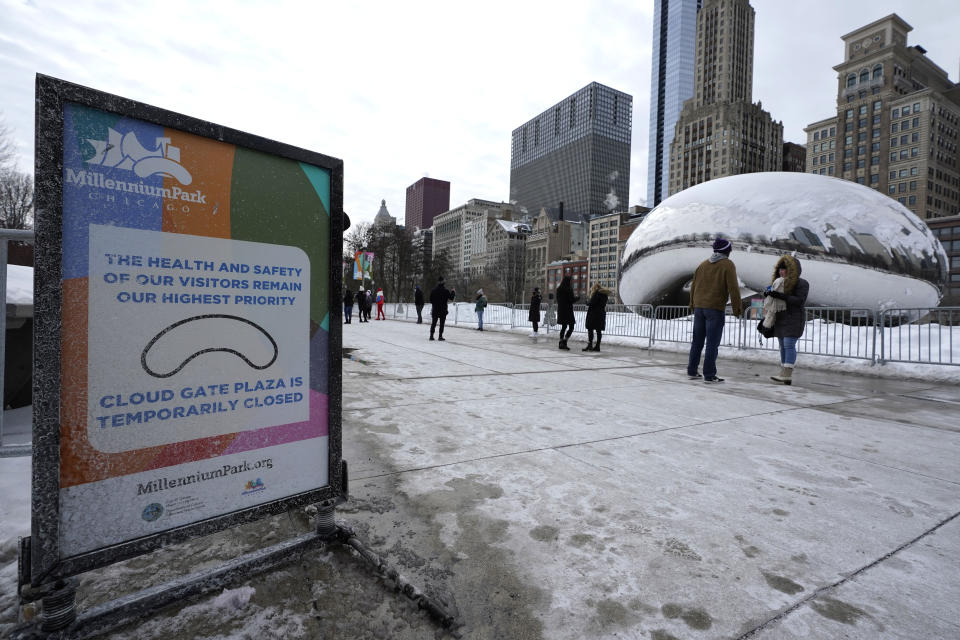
{"type": "Point", "coordinates": [6, 235]}
{"type": "Point", "coordinates": [922, 336]}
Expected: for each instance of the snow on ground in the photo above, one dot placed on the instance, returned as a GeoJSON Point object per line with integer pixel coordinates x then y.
{"type": "Point", "coordinates": [19, 284]}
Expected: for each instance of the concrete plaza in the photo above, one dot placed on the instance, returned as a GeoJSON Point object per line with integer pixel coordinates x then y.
{"type": "Point", "coordinates": [552, 494]}
{"type": "Point", "coordinates": [543, 494]}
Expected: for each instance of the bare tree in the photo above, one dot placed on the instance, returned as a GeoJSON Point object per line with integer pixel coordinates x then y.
{"type": "Point", "coordinates": [16, 187]}
{"type": "Point", "coordinates": [16, 200]}
{"type": "Point", "coordinates": [8, 149]}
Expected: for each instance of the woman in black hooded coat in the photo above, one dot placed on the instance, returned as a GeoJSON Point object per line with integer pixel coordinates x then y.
{"type": "Point", "coordinates": [791, 321]}
{"type": "Point", "coordinates": [565, 302]}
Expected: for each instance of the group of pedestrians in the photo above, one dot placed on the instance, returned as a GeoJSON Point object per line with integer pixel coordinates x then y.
{"type": "Point", "coordinates": [715, 281]}
{"type": "Point", "coordinates": [596, 313]}
{"type": "Point", "coordinates": [364, 302]}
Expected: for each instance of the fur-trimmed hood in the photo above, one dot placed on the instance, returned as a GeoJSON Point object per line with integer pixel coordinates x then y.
{"type": "Point", "coordinates": [598, 288]}
{"type": "Point", "coordinates": [793, 272]}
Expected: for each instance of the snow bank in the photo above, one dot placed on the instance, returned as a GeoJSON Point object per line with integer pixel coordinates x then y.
{"type": "Point", "coordinates": [19, 284]}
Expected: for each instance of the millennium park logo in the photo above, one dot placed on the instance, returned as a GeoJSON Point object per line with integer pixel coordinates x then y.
{"type": "Point", "coordinates": [126, 153]}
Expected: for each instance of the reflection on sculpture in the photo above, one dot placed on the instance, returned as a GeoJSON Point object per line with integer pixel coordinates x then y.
{"type": "Point", "coordinates": [863, 248]}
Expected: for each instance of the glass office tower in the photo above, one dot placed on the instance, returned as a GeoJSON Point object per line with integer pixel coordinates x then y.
{"type": "Point", "coordinates": [576, 153]}
{"type": "Point", "coordinates": [671, 83]}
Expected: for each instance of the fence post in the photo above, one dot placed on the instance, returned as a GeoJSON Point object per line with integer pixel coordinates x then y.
{"type": "Point", "coordinates": [877, 319]}
{"type": "Point", "coordinates": [512, 308]}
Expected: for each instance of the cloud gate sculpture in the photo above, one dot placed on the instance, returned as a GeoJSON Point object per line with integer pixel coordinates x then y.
{"type": "Point", "coordinates": [858, 248]}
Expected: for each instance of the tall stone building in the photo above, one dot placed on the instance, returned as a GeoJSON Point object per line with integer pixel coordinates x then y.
{"type": "Point", "coordinates": [455, 233]}
{"type": "Point", "coordinates": [548, 240]}
{"type": "Point", "coordinates": [576, 153]}
{"type": "Point", "coordinates": [897, 122]}
{"type": "Point", "coordinates": [721, 132]}
{"type": "Point", "coordinates": [426, 198]}
{"type": "Point", "coordinates": [672, 68]}
{"type": "Point", "coordinates": [606, 247]}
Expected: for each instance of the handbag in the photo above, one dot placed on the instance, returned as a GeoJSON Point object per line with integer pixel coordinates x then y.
{"type": "Point", "coordinates": [766, 332]}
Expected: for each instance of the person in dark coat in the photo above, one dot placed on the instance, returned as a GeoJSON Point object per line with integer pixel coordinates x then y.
{"type": "Point", "coordinates": [565, 302]}
{"type": "Point", "coordinates": [361, 303]}
{"type": "Point", "coordinates": [439, 298]}
{"type": "Point", "coordinates": [347, 306]}
{"type": "Point", "coordinates": [418, 303]}
{"type": "Point", "coordinates": [596, 315]}
{"type": "Point", "coordinates": [534, 315]}
{"type": "Point", "coordinates": [367, 303]}
{"type": "Point", "coordinates": [791, 321]}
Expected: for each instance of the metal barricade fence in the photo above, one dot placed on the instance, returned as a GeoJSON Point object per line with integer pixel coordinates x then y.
{"type": "Point", "coordinates": [675, 324]}
{"type": "Point", "coordinates": [927, 336]}
{"type": "Point", "coordinates": [923, 336]}
{"type": "Point", "coordinates": [6, 235]}
{"type": "Point", "coordinates": [839, 331]}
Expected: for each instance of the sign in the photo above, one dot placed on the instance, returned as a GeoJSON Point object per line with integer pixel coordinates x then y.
{"type": "Point", "coordinates": [195, 287]}
{"type": "Point", "coordinates": [362, 265]}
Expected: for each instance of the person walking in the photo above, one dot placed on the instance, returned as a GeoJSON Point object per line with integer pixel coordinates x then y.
{"type": "Point", "coordinates": [790, 321]}
{"type": "Point", "coordinates": [534, 316]}
{"type": "Point", "coordinates": [380, 305]}
{"type": "Point", "coordinates": [367, 303]}
{"type": "Point", "coordinates": [565, 302]}
{"type": "Point", "coordinates": [361, 301]}
{"type": "Point", "coordinates": [714, 281]}
{"type": "Point", "coordinates": [347, 305]}
{"type": "Point", "coordinates": [596, 315]}
{"type": "Point", "coordinates": [439, 298]}
{"type": "Point", "coordinates": [418, 303]}
{"type": "Point", "coordinates": [480, 306]}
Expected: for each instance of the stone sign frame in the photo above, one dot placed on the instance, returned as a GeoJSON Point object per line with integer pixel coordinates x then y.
{"type": "Point", "coordinates": [42, 560]}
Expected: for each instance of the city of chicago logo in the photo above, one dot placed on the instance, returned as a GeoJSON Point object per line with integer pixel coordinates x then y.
{"type": "Point", "coordinates": [124, 151]}
{"type": "Point", "coordinates": [253, 486]}
{"type": "Point", "coordinates": [152, 511]}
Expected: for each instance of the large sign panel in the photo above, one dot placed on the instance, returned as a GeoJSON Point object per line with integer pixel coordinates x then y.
{"type": "Point", "coordinates": [195, 283]}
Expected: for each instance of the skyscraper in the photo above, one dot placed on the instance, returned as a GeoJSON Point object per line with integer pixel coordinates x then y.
{"type": "Point", "coordinates": [671, 83]}
{"type": "Point", "coordinates": [576, 153]}
{"type": "Point", "coordinates": [426, 198]}
{"type": "Point", "coordinates": [897, 122]}
{"type": "Point", "coordinates": [720, 131]}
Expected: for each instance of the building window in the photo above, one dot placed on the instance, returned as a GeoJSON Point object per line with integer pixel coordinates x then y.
{"type": "Point", "coordinates": [875, 179]}
{"type": "Point", "coordinates": [916, 107]}
{"type": "Point", "coordinates": [912, 199]}
{"type": "Point", "coordinates": [877, 104]}
{"type": "Point", "coordinates": [905, 111]}
{"type": "Point", "coordinates": [893, 128]}
{"type": "Point", "coordinates": [851, 79]}
{"type": "Point", "coordinates": [860, 180]}
{"type": "Point", "coordinates": [833, 131]}
{"type": "Point", "coordinates": [864, 75]}
{"type": "Point", "coordinates": [893, 142]}
{"type": "Point", "coordinates": [913, 185]}
{"type": "Point", "coordinates": [893, 189]}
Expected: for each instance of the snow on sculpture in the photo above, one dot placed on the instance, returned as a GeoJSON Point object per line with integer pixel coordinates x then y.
{"type": "Point", "coordinates": [858, 248]}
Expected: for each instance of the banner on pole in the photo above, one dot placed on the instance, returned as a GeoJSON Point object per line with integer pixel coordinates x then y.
{"type": "Point", "coordinates": [362, 265]}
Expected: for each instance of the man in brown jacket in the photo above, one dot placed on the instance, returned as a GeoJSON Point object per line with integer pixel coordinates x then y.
{"type": "Point", "coordinates": [714, 281]}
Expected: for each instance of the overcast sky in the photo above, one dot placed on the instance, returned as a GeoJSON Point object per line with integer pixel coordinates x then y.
{"type": "Point", "coordinates": [402, 90]}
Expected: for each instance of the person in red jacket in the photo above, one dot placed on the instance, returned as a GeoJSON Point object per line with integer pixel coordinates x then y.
{"type": "Point", "coordinates": [380, 305]}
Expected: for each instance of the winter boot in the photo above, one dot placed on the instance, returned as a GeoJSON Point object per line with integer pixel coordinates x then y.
{"type": "Point", "coordinates": [596, 347]}
{"type": "Point", "coordinates": [785, 376]}
{"type": "Point", "coordinates": [563, 345]}
{"type": "Point", "coordinates": [589, 347]}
